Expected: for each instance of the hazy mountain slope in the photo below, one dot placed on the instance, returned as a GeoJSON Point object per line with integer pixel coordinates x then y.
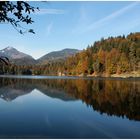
{"type": "Point", "coordinates": [57, 55]}
{"type": "Point", "coordinates": [17, 57]}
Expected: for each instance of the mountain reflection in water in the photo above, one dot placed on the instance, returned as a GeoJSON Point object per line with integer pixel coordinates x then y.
{"type": "Point", "coordinates": [113, 97]}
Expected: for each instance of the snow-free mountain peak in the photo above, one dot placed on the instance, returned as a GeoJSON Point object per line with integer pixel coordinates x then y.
{"type": "Point", "coordinates": [58, 55]}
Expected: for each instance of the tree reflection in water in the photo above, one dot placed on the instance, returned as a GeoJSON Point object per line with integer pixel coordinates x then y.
{"type": "Point", "coordinates": [113, 97]}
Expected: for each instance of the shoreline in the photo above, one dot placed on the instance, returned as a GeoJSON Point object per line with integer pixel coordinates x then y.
{"type": "Point", "coordinates": [113, 77]}
{"type": "Point", "coordinates": [134, 74]}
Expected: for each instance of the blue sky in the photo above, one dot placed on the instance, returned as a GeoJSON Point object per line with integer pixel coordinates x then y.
{"type": "Point", "coordinates": [60, 25]}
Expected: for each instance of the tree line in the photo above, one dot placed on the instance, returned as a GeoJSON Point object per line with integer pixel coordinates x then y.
{"type": "Point", "coordinates": [108, 56]}
{"type": "Point", "coordinates": [114, 55]}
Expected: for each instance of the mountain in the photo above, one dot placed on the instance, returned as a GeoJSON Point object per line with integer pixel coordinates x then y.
{"type": "Point", "coordinates": [17, 57]}
{"type": "Point", "coordinates": [57, 55]}
{"type": "Point", "coordinates": [20, 58]}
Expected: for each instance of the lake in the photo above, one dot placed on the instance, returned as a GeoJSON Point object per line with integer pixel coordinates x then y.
{"type": "Point", "coordinates": [69, 107]}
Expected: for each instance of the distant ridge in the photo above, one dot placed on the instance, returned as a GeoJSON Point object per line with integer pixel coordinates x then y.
{"type": "Point", "coordinates": [58, 55]}
{"type": "Point", "coordinates": [20, 58]}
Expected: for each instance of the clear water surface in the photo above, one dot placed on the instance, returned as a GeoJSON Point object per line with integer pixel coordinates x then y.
{"type": "Point", "coordinates": [69, 107]}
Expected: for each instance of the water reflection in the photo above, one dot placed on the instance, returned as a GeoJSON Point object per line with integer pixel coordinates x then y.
{"type": "Point", "coordinates": [113, 97]}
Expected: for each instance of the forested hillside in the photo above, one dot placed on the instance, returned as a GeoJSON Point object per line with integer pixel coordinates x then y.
{"type": "Point", "coordinates": [114, 55]}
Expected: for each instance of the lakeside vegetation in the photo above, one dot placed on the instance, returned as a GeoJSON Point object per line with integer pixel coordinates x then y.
{"type": "Point", "coordinates": [112, 56]}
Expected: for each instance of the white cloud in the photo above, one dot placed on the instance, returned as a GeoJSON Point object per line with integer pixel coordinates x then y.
{"type": "Point", "coordinates": [83, 14]}
{"type": "Point", "coordinates": [49, 28]}
{"type": "Point", "coordinates": [110, 17]}
{"type": "Point", "coordinates": [49, 11]}
{"type": "Point", "coordinates": [104, 20]}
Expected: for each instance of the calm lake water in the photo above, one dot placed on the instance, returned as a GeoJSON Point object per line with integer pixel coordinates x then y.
{"type": "Point", "coordinates": [63, 107]}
